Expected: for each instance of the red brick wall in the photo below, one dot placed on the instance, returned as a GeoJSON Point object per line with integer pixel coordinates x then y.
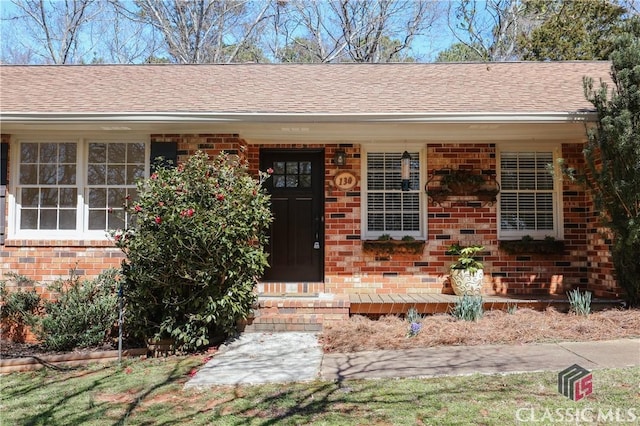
{"type": "Point", "coordinates": [347, 268]}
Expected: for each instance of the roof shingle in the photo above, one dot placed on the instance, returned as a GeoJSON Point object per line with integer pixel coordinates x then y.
{"type": "Point", "coordinates": [510, 87]}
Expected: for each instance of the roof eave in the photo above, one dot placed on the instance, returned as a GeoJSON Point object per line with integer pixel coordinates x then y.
{"type": "Point", "coordinates": [267, 117]}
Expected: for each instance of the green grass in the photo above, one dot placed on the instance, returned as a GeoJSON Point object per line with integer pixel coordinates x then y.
{"type": "Point", "coordinates": [146, 392]}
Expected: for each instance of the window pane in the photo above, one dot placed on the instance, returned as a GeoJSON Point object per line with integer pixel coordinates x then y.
{"type": "Point", "coordinates": [375, 221]}
{"type": "Point", "coordinates": [68, 197]}
{"type": "Point", "coordinates": [278, 181]}
{"type": "Point", "coordinates": [29, 197]}
{"type": "Point", "coordinates": [305, 167]}
{"type": "Point", "coordinates": [411, 222]}
{"type": "Point", "coordinates": [116, 197]}
{"type": "Point", "coordinates": [278, 167]}
{"type": "Point", "coordinates": [49, 197]}
{"type": "Point", "coordinates": [48, 174]}
{"type": "Point", "coordinates": [134, 173]}
{"type": "Point", "coordinates": [392, 202]}
{"type": "Point", "coordinates": [116, 153]}
{"type": "Point", "coordinates": [97, 174]}
{"type": "Point", "coordinates": [527, 180]}
{"type": "Point", "coordinates": [48, 153]}
{"type": "Point", "coordinates": [28, 153]}
{"type": "Point", "coordinates": [375, 181]}
{"type": "Point", "coordinates": [545, 180]}
{"type": "Point", "coordinates": [135, 153]}
{"type": "Point", "coordinates": [97, 220]}
{"type": "Point", "coordinates": [509, 180]}
{"type": "Point", "coordinates": [375, 202]}
{"type": "Point", "coordinates": [29, 219]}
{"type": "Point", "coordinates": [28, 174]}
{"type": "Point", "coordinates": [292, 181]}
{"type": "Point", "coordinates": [67, 175]}
{"type": "Point", "coordinates": [292, 167]}
{"type": "Point", "coordinates": [67, 219]}
{"type": "Point", "coordinates": [48, 219]}
{"type": "Point", "coordinates": [393, 222]}
{"type": "Point", "coordinates": [392, 180]}
{"type": "Point", "coordinates": [545, 221]}
{"type": "Point", "coordinates": [97, 153]}
{"type": "Point", "coordinates": [116, 175]}
{"type": "Point", "coordinates": [67, 153]}
{"type": "Point", "coordinates": [410, 201]}
{"type": "Point", "coordinates": [97, 197]}
{"type": "Point", "coordinates": [116, 219]}
{"type": "Point", "coordinates": [305, 181]}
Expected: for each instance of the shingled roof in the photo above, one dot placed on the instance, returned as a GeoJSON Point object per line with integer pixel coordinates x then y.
{"type": "Point", "coordinates": [515, 87]}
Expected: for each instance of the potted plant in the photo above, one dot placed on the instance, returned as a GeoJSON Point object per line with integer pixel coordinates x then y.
{"type": "Point", "coordinates": [467, 272]}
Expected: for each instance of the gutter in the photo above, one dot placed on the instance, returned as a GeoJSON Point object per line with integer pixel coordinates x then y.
{"type": "Point", "coordinates": [258, 117]}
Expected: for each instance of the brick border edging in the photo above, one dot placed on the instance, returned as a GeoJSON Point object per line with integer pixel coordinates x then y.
{"type": "Point", "coordinates": [30, 363]}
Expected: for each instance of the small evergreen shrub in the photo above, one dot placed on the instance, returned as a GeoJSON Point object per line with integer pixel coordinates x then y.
{"type": "Point", "coordinates": [18, 307]}
{"type": "Point", "coordinates": [468, 308]}
{"type": "Point", "coordinates": [83, 314]}
{"type": "Point", "coordinates": [580, 303]}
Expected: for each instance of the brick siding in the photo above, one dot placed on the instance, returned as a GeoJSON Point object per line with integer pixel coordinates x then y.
{"type": "Point", "coordinates": [348, 269]}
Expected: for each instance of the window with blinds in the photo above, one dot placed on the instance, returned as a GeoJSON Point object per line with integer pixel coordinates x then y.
{"type": "Point", "coordinates": [389, 210]}
{"type": "Point", "coordinates": [528, 194]}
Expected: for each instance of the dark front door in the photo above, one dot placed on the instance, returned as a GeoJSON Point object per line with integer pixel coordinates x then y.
{"type": "Point", "coordinates": [296, 243]}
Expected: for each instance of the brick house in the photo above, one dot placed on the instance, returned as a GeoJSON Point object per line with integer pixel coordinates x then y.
{"type": "Point", "coordinates": [75, 138]}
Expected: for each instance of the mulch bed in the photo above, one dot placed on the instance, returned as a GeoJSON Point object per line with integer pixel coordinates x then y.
{"type": "Point", "coordinates": [495, 327]}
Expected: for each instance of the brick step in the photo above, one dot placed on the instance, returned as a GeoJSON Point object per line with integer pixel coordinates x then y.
{"type": "Point", "coordinates": [298, 313]}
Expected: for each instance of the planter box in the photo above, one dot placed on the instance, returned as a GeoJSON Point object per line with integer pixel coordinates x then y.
{"type": "Point", "coordinates": [386, 247]}
{"type": "Point", "coordinates": [532, 246]}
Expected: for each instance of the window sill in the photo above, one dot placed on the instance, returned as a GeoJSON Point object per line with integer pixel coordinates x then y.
{"type": "Point", "coordinates": [16, 242]}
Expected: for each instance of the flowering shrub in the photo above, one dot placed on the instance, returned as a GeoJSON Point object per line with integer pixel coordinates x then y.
{"type": "Point", "coordinates": [194, 248]}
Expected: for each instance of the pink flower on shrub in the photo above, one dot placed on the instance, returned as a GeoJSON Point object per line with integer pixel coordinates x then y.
{"type": "Point", "coordinates": [158, 220]}
{"type": "Point", "coordinates": [138, 208]}
{"type": "Point", "coordinates": [187, 213]}
{"type": "Point", "coordinates": [161, 203]}
{"type": "Point", "coordinates": [220, 197]}
{"type": "Point", "coordinates": [270, 170]}
{"type": "Point", "coordinates": [154, 176]}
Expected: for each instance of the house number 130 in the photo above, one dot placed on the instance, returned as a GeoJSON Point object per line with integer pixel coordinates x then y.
{"type": "Point", "coordinates": [345, 180]}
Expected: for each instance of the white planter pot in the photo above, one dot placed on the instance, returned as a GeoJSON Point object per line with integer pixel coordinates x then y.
{"type": "Point", "coordinates": [464, 282]}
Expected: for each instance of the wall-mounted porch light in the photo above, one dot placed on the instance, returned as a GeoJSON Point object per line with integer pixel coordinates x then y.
{"type": "Point", "coordinates": [340, 157]}
{"type": "Point", "coordinates": [405, 171]}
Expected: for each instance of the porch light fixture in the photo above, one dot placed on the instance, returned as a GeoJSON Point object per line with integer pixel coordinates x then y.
{"type": "Point", "coordinates": [340, 158]}
{"type": "Point", "coordinates": [405, 171]}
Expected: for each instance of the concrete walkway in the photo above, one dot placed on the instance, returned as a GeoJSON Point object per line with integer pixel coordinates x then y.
{"type": "Point", "coordinates": [296, 357]}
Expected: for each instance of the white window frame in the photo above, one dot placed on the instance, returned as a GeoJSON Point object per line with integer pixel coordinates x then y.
{"type": "Point", "coordinates": [396, 148]}
{"type": "Point", "coordinates": [558, 218]}
{"type": "Point", "coordinates": [81, 232]}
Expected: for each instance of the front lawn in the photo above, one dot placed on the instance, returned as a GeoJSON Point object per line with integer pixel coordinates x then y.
{"type": "Point", "coordinates": [150, 392]}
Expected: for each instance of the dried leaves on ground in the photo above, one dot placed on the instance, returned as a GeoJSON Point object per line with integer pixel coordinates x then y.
{"type": "Point", "coordinates": [495, 327]}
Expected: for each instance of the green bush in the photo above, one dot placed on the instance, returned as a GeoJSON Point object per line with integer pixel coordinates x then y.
{"type": "Point", "coordinates": [18, 307]}
{"type": "Point", "coordinates": [468, 308]}
{"type": "Point", "coordinates": [83, 314]}
{"type": "Point", "coordinates": [194, 247]}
